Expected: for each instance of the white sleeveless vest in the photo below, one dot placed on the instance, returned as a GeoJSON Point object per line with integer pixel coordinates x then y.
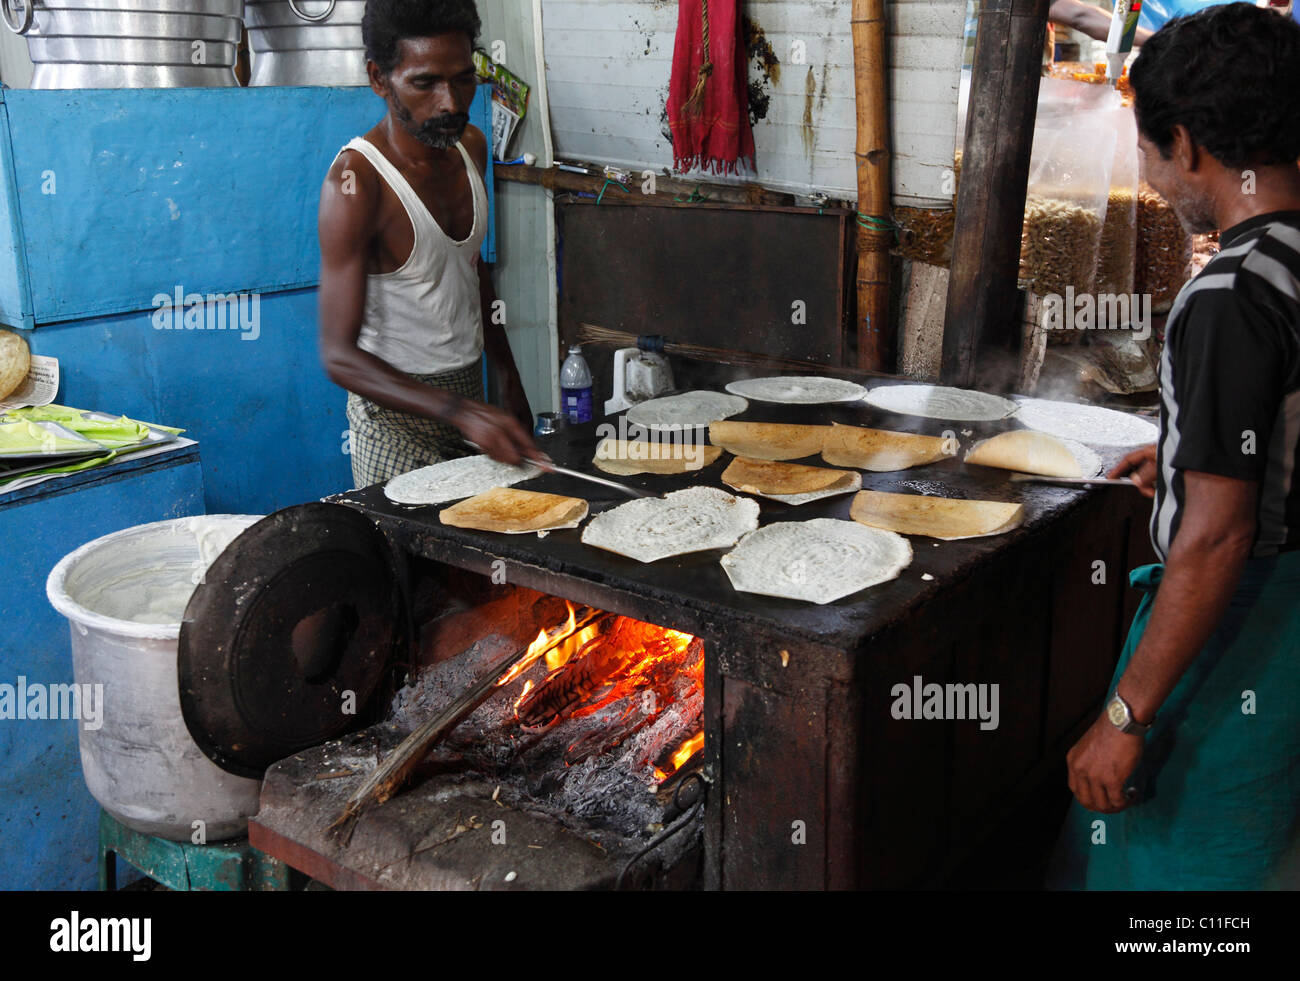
{"type": "Point", "coordinates": [426, 317]}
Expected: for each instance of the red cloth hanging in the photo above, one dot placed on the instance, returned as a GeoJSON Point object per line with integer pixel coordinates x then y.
{"type": "Point", "coordinates": [712, 129]}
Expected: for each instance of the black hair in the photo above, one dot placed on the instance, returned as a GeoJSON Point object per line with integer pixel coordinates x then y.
{"type": "Point", "coordinates": [388, 22]}
{"type": "Point", "coordinates": [1231, 75]}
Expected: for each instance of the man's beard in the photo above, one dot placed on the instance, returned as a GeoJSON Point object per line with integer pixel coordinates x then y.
{"type": "Point", "coordinates": [1195, 212]}
{"type": "Point", "coordinates": [438, 133]}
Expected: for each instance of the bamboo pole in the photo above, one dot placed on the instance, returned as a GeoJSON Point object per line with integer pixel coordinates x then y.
{"type": "Point", "coordinates": [874, 190]}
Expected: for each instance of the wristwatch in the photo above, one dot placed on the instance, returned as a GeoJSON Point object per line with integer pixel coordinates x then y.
{"type": "Point", "coordinates": [1120, 714]}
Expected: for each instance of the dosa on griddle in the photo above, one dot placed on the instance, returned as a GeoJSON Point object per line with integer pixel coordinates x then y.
{"type": "Point", "coordinates": [516, 512]}
{"type": "Point", "coordinates": [693, 520]}
{"type": "Point", "coordinates": [627, 457]}
{"type": "Point", "coordinates": [935, 517]}
{"type": "Point", "coordinates": [789, 482]}
{"type": "Point", "coordinates": [768, 440]}
{"type": "Point", "coordinates": [818, 561]}
{"type": "Point", "coordinates": [883, 451]}
{"type": "Point", "coordinates": [1028, 451]}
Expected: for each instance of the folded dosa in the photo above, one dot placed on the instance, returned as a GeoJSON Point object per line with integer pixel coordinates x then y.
{"type": "Point", "coordinates": [883, 451]}
{"type": "Point", "coordinates": [791, 483]}
{"type": "Point", "coordinates": [768, 440]}
{"type": "Point", "coordinates": [1028, 451]}
{"type": "Point", "coordinates": [935, 517]}
{"type": "Point", "coordinates": [516, 512]}
{"type": "Point", "coordinates": [627, 457]}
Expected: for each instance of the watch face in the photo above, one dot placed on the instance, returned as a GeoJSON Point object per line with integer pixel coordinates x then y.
{"type": "Point", "coordinates": [1115, 712]}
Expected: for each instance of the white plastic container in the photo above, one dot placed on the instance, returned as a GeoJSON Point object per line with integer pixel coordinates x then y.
{"type": "Point", "coordinates": [124, 596]}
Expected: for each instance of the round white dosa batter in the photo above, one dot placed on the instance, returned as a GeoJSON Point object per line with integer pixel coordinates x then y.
{"type": "Point", "coordinates": [938, 402]}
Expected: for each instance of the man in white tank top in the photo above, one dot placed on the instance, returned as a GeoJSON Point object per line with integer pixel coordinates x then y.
{"type": "Point", "coordinates": [403, 295]}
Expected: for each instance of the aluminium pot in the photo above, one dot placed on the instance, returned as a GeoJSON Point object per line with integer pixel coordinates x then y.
{"type": "Point", "coordinates": [79, 44]}
{"type": "Point", "coordinates": [306, 42]}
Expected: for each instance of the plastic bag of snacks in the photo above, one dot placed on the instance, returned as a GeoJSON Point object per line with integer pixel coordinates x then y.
{"type": "Point", "coordinates": [1164, 250]}
{"type": "Point", "coordinates": [1069, 183]}
{"type": "Point", "coordinates": [1118, 248]}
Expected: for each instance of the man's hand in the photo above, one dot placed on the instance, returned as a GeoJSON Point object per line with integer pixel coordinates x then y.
{"type": "Point", "coordinates": [498, 433]}
{"type": "Point", "coordinates": [1100, 764]}
{"type": "Point", "coordinates": [1141, 466]}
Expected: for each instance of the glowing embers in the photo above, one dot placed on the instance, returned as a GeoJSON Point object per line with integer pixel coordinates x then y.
{"type": "Point", "coordinates": [631, 672]}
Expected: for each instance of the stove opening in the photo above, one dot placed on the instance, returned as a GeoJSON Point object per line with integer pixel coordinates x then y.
{"type": "Point", "coordinates": [593, 726]}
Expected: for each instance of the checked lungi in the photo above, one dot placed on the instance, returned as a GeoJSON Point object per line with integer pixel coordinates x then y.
{"type": "Point", "coordinates": [386, 442]}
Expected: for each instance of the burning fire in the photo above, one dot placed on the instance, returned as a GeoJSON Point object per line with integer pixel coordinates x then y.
{"type": "Point", "coordinates": [681, 756]}
{"type": "Point", "coordinates": [600, 660]}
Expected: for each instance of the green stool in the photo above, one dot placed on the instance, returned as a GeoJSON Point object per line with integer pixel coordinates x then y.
{"type": "Point", "coordinates": [229, 866]}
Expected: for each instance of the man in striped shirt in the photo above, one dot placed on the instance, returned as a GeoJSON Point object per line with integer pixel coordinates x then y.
{"type": "Point", "coordinates": [1196, 759]}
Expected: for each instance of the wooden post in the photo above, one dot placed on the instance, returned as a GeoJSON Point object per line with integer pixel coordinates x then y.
{"type": "Point", "coordinates": [874, 189]}
{"type": "Point", "coordinates": [982, 295]}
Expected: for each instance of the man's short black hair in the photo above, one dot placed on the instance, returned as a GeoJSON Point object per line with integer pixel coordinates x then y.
{"type": "Point", "coordinates": [1231, 75]}
{"type": "Point", "coordinates": [388, 22]}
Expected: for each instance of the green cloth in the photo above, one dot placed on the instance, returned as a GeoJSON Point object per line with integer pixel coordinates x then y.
{"type": "Point", "coordinates": [1219, 786]}
{"type": "Point", "coordinates": [21, 436]}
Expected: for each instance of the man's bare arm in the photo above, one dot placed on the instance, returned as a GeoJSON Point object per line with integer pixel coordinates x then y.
{"type": "Point", "coordinates": [1087, 19]}
{"type": "Point", "coordinates": [1205, 563]}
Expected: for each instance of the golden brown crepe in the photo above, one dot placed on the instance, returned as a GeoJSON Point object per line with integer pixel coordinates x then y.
{"type": "Point", "coordinates": [516, 512]}
{"type": "Point", "coordinates": [782, 479]}
{"type": "Point", "coordinates": [1028, 451]}
{"type": "Point", "coordinates": [935, 517]}
{"type": "Point", "coordinates": [883, 451]}
{"type": "Point", "coordinates": [627, 457]}
{"type": "Point", "coordinates": [768, 441]}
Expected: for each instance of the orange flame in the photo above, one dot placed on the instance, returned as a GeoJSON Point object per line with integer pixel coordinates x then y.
{"type": "Point", "coordinates": [687, 749]}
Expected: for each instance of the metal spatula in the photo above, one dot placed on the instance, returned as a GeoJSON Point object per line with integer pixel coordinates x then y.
{"type": "Point", "coordinates": [545, 463]}
{"type": "Point", "coordinates": [1025, 478]}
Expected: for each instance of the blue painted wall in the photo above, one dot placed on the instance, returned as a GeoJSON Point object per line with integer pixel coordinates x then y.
{"type": "Point", "coordinates": [48, 821]}
{"type": "Point", "coordinates": [271, 423]}
{"type": "Point", "coordinates": [115, 196]}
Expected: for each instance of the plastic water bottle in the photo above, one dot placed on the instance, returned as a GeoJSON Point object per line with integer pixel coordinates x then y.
{"type": "Point", "coordinates": [575, 387]}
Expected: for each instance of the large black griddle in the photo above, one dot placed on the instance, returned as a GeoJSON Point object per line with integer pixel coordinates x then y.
{"type": "Point", "coordinates": [285, 641]}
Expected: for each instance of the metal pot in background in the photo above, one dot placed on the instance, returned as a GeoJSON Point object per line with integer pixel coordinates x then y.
{"type": "Point", "coordinates": [120, 44]}
{"type": "Point", "coordinates": [306, 42]}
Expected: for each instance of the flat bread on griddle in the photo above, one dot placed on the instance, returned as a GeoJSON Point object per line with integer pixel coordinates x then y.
{"type": "Point", "coordinates": [818, 561]}
{"type": "Point", "coordinates": [940, 402]}
{"type": "Point", "coordinates": [516, 512]}
{"type": "Point", "coordinates": [452, 480]}
{"type": "Point", "coordinates": [883, 451]}
{"type": "Point", "coordinates": [15, 362]}
{"type": "Point", "coordinates": [1027, 451]}
{"type": "Point", "coordinates": [768, 440]}
{"type": "Point", "coordinates": [628, 457]}
{"type": "Point", "coordinates": [790, 483]}
{"type": "Point", "coordinates": [798, 390]}
{"type": "Point", "coordinates": [944, 518]}
{"type": "Point", "coordinates": [693, 520]}
{"type": "Point", "coordinates": [686, 411]}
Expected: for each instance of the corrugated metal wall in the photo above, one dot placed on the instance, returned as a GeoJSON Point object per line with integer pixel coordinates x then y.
{"type": "Point", "coordinates": [608, 64]}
